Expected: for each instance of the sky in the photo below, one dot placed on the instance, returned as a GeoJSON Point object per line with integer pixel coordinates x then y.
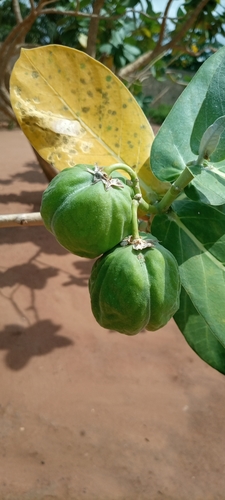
{"type": "Point", "coordinates": [159, 5]}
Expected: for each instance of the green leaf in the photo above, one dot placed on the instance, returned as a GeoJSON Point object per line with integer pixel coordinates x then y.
{"type": "Point", "coordinates": [195, 234]}
{"type": "Point", "coordinates": [171, 149]}
{"type": "Point", "coordinates": [207, 187]}
{"type": "Point", "coordinates": [198, 334]}
{"type": "Point", "coordinates": [135, 51]}
{"type": "Point", "coordinates": [211, 139]}
{"type": "Point", "coordinates": [116, 39]}
{"type": "Point", "coordinates": [105, 48]}
{"type": "Point", "coordinates": [180, 11]}
{"type": "Point", "coordinates": [212, 108]}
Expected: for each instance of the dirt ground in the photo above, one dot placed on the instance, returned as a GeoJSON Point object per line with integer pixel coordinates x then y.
{"type": "Point", "coordinates": [88, 414]}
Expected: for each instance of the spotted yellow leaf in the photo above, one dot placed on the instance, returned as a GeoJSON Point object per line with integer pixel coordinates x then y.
{"type": "Point", "coordinates": [75, 110]}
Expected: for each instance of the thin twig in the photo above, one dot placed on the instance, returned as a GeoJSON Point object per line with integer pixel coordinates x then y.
{"type": "Point", "coordinates": [78, 13]}
{"type": "Point", "coordinates": [32, 5]}
{"type": "Point", "coordinates": [12, 220]}
{"type": "Point", "coordinates": [163, 25]}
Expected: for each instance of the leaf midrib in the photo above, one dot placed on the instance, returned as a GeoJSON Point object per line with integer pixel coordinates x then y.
{"type": "Point", "coordinates": [174, 217]}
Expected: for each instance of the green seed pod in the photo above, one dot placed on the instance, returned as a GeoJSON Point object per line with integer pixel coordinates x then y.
{"type": "Point", "coordinates": [135, 289]}
{"type": "Point", "coordinates": [88, 212]}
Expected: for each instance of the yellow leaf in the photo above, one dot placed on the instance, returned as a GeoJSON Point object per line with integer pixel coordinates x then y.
{"type": "Point", "coordinates": [75, 110]}
{"type": "Point", "coordinates": [146, 32]}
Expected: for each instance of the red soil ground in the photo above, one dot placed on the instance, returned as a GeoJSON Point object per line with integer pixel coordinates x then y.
{"type": "Point", "coordinates": [86, 413]}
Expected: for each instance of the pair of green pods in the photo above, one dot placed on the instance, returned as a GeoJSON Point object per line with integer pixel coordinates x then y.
{"type": "Point", "coordinates": [90, 215]}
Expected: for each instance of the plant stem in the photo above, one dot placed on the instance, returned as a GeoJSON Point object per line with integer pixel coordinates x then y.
{"type": "Point", "coordinates": [177, 187]}
{"type": "Point", "coordinates": [135, 232]}
{"type": "Point", "coordinates": [129, 170]}
{"type": "Point", "coordinates": [143, 205]}
{"type": "Point", "coordinates": [148, 209]}
{"type": "Point", "coordinates": [12, 220]}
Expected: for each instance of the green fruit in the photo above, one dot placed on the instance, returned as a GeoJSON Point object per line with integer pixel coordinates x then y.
{"type": "Point", "coordinates": [88, 212]}
{"type": "Point", "coordinates": [135, 289]}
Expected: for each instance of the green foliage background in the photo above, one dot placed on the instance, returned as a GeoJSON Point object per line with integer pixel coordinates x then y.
{"type": "Point", "coordinates": [126, 32]}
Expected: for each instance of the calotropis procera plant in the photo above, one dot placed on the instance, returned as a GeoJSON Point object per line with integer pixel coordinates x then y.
{"type": "Point", "coordinates": [74, 111]}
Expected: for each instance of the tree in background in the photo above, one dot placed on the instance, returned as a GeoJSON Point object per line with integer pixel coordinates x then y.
{"type": "Point", "coordinates": [126, 35]}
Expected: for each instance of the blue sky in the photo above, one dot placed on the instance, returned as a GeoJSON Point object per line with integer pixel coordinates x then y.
{"type": "Point", "coordinates": [159, 5]}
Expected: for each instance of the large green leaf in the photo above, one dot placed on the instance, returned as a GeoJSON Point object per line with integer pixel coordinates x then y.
{"type": "Point", "coordinates": [194, 231]}
{"type": "Point", "coordinates": [211, 139]}
{"type": "Point", "coordinates": [212, 108]}
{"type": "Point", "coordinates": [201, 103]}
{"type": "Point", "coordinates": [198, 334]}
{"type": "Point", "coordinates": [171, 149]}
{"type": "Point", "coordinates": [195, 234]}
{"type": "Point", "coordinates": [208, 186]}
